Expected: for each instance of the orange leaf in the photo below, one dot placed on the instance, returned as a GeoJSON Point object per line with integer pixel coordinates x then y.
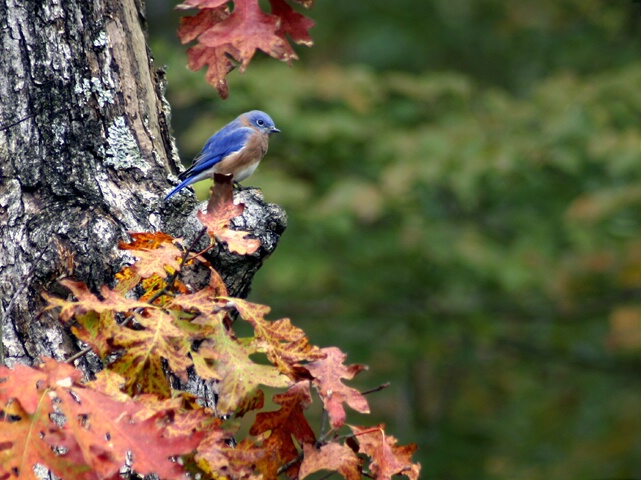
{"type": "Point", "coordinates": [334, 457]}
{"type": "Point", "coordinates": [284, 425]}
{"type": "Point", "coordinates": [87, 301]}
{"type": "Point", "coordinates": [327, 374]}
{"type": "Point", "coordinates": [155, 252]}
{"type": "Point", "coordinates": [158, 261]}
{"type": "Point", "coordinates": [127, 280]}
{"type": "Point", "coordinates": [146, 240]}
{"type": "Point", "coordinates": [220, 210]}
{"type": "Point", "coordinates": [284, 344]}
{"type": "Point", "coordinates": [388, 459]}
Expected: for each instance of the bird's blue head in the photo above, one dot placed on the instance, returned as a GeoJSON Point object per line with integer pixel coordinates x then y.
{"type": "Point", "coordinates": [260, 120]}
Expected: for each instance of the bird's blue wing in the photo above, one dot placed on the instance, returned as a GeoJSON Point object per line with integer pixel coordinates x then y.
{"type": "Point", "coordinates": [228, 140]}
{"type": "Point", "coordinates": [220, 145]}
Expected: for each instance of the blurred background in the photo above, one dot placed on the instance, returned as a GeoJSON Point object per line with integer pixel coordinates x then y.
{"type": "Point", "coordinates": [462, 181]}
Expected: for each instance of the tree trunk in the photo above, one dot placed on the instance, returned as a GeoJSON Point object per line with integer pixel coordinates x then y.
{"type": "Point", "coordinates": [85, 152]}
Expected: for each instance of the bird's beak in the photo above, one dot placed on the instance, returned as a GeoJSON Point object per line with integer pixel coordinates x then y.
{"type": "Point", "coordinates": [274, 130]}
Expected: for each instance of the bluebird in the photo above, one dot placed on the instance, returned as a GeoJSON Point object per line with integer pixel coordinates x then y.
{"type": "Point", "coordinates": [237, 148]}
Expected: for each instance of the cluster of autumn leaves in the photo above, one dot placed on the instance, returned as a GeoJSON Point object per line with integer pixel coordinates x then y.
{"type": "Point", "coordinates": [87, 429]}
{"type": "Point", "coordinates": [224, 35]}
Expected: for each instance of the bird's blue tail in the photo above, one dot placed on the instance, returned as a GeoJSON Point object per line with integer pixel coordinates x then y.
{"type": "Point", "coordinates": [179, 187]}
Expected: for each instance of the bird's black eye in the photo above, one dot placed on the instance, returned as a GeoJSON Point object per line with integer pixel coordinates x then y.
{"type": "Point", "coordinates": [260, 123]}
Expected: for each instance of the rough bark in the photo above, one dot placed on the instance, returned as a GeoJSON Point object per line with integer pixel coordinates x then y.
{"type": "Point", "coordinates": [85, 156]}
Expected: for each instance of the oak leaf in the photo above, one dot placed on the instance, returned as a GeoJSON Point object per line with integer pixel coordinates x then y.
{"type": "Point", "coordinates": [146, 240]}
{"type": "Point", "coordinates": [284, 344]}
{"type": "Point", "coordinates": [96, 329]}
{"type": "Point", "coordinates": [223, 35]}
{"type": "Point", "coordinates": [285, 425]}
{"type": "Point", "coordinates": [163, 260]}
{"type": "Point", "coordinates": [243, 459]}
{"type": "Point", "coordinates": [292, 23]}
{"type": "Point", "coordinates": [327, 374]}
{"type": "Point", "coordinates": [221, 209]}
{"type": "Point", "coordinates": [387, 458]}
{"type": "Point", "coordinates": [227, 359]}
{"type": "Point", "coordinates": [203, 300]}
{"type": "Point", "coordinates": [87, 435]}
{"type": "Point", "coordinates": [25, 440]}
{"type": "Point", "coordinates": [87, 301]}
{"type": "Point", "coordinates": [145, 349]}
{"type": "Point", "coordinates": [332, 456]}
{"type": "Point", "coordinates": [210, 454]}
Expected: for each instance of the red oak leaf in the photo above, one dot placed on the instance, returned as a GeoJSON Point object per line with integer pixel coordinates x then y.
{"type": "Point", "coordinates": [334, 457]}
{"type": "Point", "coordinates": [327, 374]}
{"type": "Point", "coordinates": [212, 13]}
{"type": "Point", "coordinates": [94, 430]}
{"type": "Point", "coordinates": [248, 28]}
{"type": "Point", "coordinates": [222, 35]}
{"type": "Point", "coordinates": [284, 425]}
{"type": "Point", "coordinates": [220, 210]}
{"type": "Point", "coordinates": [388, 459]}
{"type": "Point", "coordinates": [201, 4]}
{"type": "Point", "coordinates": [217, 58]}
{"type": "Point", "coordinates": [292, 22]}
{"type": "Point", "coordinates": [218, 65]}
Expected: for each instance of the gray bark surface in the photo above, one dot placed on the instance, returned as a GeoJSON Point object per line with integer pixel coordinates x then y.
{"type": "Point", "coordinates": [85, 156]}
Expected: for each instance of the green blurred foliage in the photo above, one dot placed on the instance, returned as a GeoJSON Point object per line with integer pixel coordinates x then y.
{"type": "Point", "coordinates": [462, 185]}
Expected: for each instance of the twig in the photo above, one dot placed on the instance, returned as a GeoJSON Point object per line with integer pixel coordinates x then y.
{"type": "Point", "coordinates": [376, 389]}
{"type": "Point", "coordinates": [77, 355]}
{"type": "Point", "coordinates": [294, 461]}
{"type": "Point", "coordinates": [322, 434]}
{"type": "Point", "coordinates": [353, 435]}
{"type": "Point", "coordinates": [16, 122]}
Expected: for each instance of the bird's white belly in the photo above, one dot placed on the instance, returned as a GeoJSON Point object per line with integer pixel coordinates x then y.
{"type": "Point", "coordinates": [243, 173]}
